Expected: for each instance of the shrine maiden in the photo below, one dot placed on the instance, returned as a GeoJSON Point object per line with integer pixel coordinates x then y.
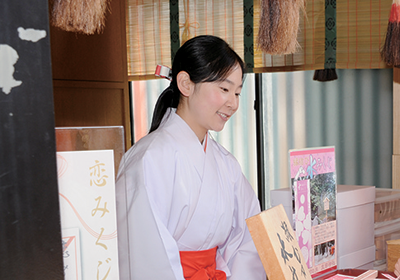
{"type": "Point", "coordinates": [182, 198]}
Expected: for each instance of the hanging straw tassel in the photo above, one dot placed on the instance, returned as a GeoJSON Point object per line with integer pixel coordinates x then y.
{"type": "Point", "coordinates": [82, 16]}
{"type": "Point", "coordinates": [325, 75]}
{"type": "Point", "coordinates": [390, 52]}
{"type": "Point", "coordinates": [279, 24]}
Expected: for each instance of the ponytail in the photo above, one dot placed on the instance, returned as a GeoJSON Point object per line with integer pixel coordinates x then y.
{"type": "Point", "coordinates": [168, 98]}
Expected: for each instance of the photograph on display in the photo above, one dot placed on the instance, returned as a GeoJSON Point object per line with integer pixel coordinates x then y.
{"type": "Point", "coordinates": [71, 254]}
{"type": "Point", "coordinates": [324, 252]}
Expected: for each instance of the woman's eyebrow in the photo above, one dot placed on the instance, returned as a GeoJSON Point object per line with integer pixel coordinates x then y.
{"type": "Point", "coordinates": [230, 82]}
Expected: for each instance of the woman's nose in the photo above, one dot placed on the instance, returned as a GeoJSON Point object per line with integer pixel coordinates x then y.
{"type": "Point", "coordinates": [233, 102]}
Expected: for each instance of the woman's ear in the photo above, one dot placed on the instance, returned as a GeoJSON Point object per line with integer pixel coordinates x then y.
{"type": "Point", "coordinates": [184, 83]}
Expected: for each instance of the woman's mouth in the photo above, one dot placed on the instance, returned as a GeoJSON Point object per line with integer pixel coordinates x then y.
{"type": "Point", "coordinates": [225, 117]}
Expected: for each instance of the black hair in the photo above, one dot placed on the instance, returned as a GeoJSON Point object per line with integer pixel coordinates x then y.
{"type": "Point", "coordinates": [205, 58]}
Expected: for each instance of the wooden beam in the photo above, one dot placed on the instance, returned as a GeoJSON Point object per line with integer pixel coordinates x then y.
{"type": "Point", "coordinates": [396, 129]}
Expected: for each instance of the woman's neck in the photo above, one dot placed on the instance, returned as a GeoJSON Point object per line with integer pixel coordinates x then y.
{"type": "Point", "coordinates": [199, 131]}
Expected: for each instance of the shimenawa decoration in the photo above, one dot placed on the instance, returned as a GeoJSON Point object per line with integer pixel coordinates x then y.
{"type": "Point", "coordinates": [81, 16]}
{"type": "Point", "coordinates": [279, 24]}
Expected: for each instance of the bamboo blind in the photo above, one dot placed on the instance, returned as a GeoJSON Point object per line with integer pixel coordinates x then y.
{"type": "Point", "coordinates": [156, 28]}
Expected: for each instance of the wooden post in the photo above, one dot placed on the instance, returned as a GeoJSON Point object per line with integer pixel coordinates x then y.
{"type": "Point", "coordinates": [30, 232]}
{"type": "Point", "coordinates": [396, 130]}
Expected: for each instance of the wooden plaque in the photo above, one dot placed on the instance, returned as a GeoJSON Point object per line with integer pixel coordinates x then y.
{"type": "Point", "coordinates": [392, 253]}
{"type": "Point", "coordinates": [277, 246]}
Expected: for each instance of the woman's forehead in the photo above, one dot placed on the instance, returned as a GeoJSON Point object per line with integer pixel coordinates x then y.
{"type": "Point", "coordinates": [234, 76]}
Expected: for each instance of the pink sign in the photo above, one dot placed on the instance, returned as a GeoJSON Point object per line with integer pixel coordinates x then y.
{"type": "Point", "coordinates": [313, 182]}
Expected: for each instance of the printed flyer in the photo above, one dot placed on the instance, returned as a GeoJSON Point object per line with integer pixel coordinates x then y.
{"type": "Point", "coordinates": [313, 183]}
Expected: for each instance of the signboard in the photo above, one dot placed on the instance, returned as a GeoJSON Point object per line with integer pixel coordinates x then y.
{"type": "Point", "coordinates": [277, 245]}
{"type": "Point", "coordinates": [88, 214]}
{"type": "Point", "coordinates": [313, 183]}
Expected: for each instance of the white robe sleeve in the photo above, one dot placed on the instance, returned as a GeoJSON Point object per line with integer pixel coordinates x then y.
{"type": "Point", "coordinates": [150, 248]}
{"type": "Point", "coordinates": [240, 252]}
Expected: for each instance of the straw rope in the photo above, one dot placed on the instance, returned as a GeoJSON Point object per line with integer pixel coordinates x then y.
{"type": "Point", "coordinates": [279, 24]}
{"type": "Point", "coordinates": [82, 16]}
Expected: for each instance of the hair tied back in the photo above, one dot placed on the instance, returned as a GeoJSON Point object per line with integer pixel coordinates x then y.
{"type": "Point", "coordinates": [163, 72]}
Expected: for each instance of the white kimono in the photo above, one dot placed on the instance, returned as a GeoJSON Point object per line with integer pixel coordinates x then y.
{"type": "Point", "coordinates": [173, 196]}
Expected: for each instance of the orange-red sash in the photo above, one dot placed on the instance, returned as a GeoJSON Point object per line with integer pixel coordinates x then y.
{"type": "Point", "coordinates": [201, 265]}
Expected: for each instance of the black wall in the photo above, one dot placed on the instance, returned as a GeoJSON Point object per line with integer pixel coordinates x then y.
{"type": "Point", "coordinates": [30, 232]}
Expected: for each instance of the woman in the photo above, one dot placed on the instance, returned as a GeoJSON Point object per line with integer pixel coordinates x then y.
{"type": "Point", "coordinates": [182, 197]}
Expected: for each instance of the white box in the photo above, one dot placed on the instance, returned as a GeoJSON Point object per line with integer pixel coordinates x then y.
{"type": "Point", "coordinates": [362, 259]}
{"type": "Point", "coordinates": [355, 223]}
{"type": "Point", "coordinates": [355, 218]}
{"type": "Point", "coordinates": [284, 197]}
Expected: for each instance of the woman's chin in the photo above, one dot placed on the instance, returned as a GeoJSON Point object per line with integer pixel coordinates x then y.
{"type": "Point", "coordinates": [218, 129]}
